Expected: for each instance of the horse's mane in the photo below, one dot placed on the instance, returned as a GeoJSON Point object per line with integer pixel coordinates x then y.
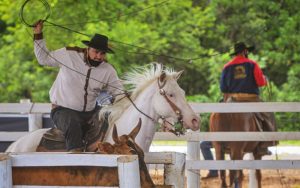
{"type": "Point", "coordinates": [136, 80]}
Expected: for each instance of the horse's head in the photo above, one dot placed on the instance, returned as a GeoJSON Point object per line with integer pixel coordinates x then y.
{"type": "Point", "coordinates": [155, 95]}
{"type": "Point", "coordinates": [170, 103]}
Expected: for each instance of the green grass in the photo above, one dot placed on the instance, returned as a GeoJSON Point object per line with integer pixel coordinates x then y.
{"type": "Point", "coordinates": [289, 143]}
{"type": "Point", "coordinates": [169, 143]}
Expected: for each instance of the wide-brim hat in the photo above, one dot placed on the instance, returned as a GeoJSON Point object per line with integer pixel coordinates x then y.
{"type": "Point", "coordinates": [241, 46]}
{"type": "Point", "coordinates": [99, 42]}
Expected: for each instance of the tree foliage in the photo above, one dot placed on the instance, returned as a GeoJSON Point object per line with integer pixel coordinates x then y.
{"type": "Point", "coordinates": [192, 35]}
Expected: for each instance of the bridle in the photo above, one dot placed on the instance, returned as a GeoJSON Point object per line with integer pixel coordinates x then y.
{"type": "Point", "coordinates": [179, 130]}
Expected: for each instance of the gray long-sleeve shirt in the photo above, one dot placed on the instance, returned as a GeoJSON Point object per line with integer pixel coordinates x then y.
{"type": "Point", "coordinates": [77, 84]}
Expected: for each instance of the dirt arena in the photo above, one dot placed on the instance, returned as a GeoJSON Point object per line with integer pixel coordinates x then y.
{"type": "Point", "coordinates": [271, 179]}
{"type": "Point", "coordinates": [282, 178]}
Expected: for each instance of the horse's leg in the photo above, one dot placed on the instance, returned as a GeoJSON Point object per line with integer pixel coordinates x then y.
{"type": "Point", "coordinates": [231, 177]}
{"type": "Point", "coordinates": [258, 171]}
{"type": "Point", "coordinates": [220, 155]}
{"type": "Point", "coordinates": [232, 174]}
{"type": "Point", "coordinates": [240, 178]}
{"type": "Point", "coordinates": [236, 176]}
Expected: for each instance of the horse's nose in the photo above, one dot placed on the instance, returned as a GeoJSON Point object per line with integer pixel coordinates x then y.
{"type": "Point", "coordinates": [196, 123]}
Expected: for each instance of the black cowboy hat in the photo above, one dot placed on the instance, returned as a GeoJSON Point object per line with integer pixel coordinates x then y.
{"type": "Point", "coordinates": [99, 42]}
{"type": "Point", "coordinates": [240, 46]}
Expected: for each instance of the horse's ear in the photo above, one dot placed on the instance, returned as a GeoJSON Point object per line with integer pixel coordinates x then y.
{"type": "Point", "coordinates": [115, 134]}
{"type": "Point", "coordinates": [178, 74]}
{"type": "Point", "coordinates": [136, 130]}
{"type": "Point", "coordinates": [162, 76]}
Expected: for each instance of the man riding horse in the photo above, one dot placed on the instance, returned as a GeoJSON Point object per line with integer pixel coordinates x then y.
{"type": "Point", "coordinates": [240, 82]}
{"type": "Point", "coordinates": [83, 73]}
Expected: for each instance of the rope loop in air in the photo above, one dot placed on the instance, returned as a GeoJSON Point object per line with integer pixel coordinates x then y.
{"type": "Point", "coordinates": [26, 22]}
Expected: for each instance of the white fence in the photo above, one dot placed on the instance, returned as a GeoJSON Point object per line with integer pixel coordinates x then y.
{"type": "Point", "coordinates": [193, 163]}
{"type": "Point", "coordinates": [128, 166]}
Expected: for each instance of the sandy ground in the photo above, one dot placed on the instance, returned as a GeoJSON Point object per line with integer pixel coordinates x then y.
{"type": "Point", "coordinates": [281, 178]}
{"type": "Point", "coordinates": [271, 179]}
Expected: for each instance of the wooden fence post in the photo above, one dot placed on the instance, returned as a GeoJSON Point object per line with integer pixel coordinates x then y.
{"type": "Point", "coordinates": [5, 171]}
{"type": "Point", "coordinates": [193, 153]}
{"type": "Point", "coordinates": [128, 171]}
{"type": "Point", "coordinates": [174, 173]}
{"type": "Point", "coordinates": [35, 122]}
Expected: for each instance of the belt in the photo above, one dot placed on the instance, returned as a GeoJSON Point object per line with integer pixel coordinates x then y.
{"type": "Point", "coordinates": [53, 106]}
{"type": "Point", "coordinates": [246, 95]}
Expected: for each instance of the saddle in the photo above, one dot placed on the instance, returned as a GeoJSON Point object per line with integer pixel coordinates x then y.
{"type": "Point", "coordinates": [54, 139]}
{"type": "Point", "coordinates": [265, 121]}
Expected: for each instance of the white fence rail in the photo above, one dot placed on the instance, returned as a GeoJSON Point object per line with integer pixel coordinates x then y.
{"type": "Point", "coordinates": [35, 111]}
{"type": "Point", "coordinates": [32, 108]}
{"type": "Point", "coordinates": [194, 164]}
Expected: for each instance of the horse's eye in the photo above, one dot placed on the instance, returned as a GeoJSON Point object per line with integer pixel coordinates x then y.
{"type": "Point", "coordinates": [171, 95]}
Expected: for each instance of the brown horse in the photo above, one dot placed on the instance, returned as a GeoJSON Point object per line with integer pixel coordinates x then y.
{"type": "Point", "coordinates": [237, 122]}
{"type": "Point", "coordinates": [88, 176]}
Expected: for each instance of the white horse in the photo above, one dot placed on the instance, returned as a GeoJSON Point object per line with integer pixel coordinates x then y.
{"type": "Point", "coordinates": [155, 94]}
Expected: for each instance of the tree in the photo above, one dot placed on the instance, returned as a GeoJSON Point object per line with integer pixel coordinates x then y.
{"type": "Point", "coordinates": [170, 32]}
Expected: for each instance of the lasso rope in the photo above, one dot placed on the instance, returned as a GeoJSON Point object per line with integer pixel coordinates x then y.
{"type": "Point", "coordinates": [47, 7]}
